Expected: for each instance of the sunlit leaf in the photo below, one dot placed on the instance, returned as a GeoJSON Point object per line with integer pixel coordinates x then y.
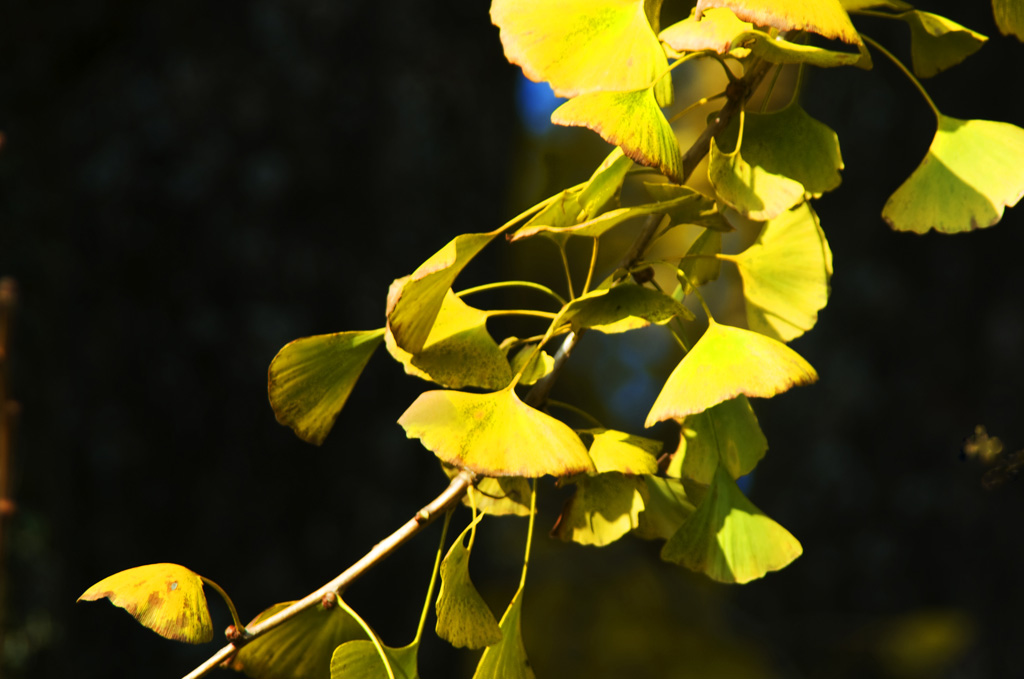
{"type": "Point", "coordinates": [894, 5]}
{"type": "Point", "coordinates": [507, 658]}
{"type": "Point", "coordinates": [824, 17]}
{"type": "Point", "coordinates": [792, 144]}
{"type": "Point", "coordinates": [501, 496]}
{"type": "Point", "coordinates": [540, 364]}
{"type": "Point", "coordinates": [165, 597]}
{"type": "Point", "coordinates": [463, 618]}
{"type": "Point", "coordinates": [1009, 17]}
{"type": "Point", "coordinates": [622, 308]}
{"type": "Point", "coordinates": [617, 451]}
{"type": "Point", "coordinates": [602, 189]}
{"type": "Point", "coordinates": [972, 171]}
{"type": "Point", "coordinates": [459, 352]}
{"type": "Point", "coordinates": [724, 363]}
{"type": "Point", "coordinates": [603, 509]}
{"type": "Point", "coordinates": [311, 378]}
{"type": "Point", "coordinates": [727, 433]}
{"type": "Point", "coordinates": [778, 51]}
{"type": "Point", "coordinates": [716, 30]}
{"type": "Point", "coordinates": [301, 647]}
{"type": "Point", "coordinates": [631, 120]}
{"type": "Point", "coordinates": [749, 189]}
{"type": "Point", "coordinates": [361, 660]}
{"type": "Point", "coordinates": [666, 507]}
{"type": "Point", "coordinates": [936, 43]}
{"type": "Point", "coordinates": [786, 274]}
{"type": "Point", "coordinates": [414, 301]}
{"type": "Point", "coordinates": [582, 46]}
{"type": "Point", "coordinates": [494, 434]}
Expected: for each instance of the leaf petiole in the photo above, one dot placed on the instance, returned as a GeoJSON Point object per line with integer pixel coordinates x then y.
{"type": "Point", "coordinates": [513, 284]}
{"type": "Point", "coordinates": [906, 72]}
{"type": "Point", "coordinates": [231, 604]}
{"type": "Point", "coordinates": [433, 577]}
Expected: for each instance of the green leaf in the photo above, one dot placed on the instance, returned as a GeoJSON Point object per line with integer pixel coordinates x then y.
{"type": "Point", "coordinates": [729, 539]}
{"type": "Point", "coordinates": [792, 144]}
{"type": "Point", "coordinates": [585, 201]}
{"type": "Point", "coordinates": [311, 378]}
{"type": "Point", "coordinates": [361, 660]}
{"type": "Point", "coordinates": [749, 189]}
{"type": "Point", "coordinates": [726, 433]}
{"type": "Point", "coordinates": [603, 509]}
{"type": "Point", "coordinates": [494, 435]}
{"type": "Point", "coordinates": [414, 301]}
{"type": "Point", "coordinates": [502, 496]}
{"type": "Point", "coordinates": [622, 308]}
{"type": "Point", "coordinates": [894, 5]}
{"type": "Point", "coordinates": [300, 647]}
{"type": "Point", "coordinates": [724, 363]}
{"type": "Point", "coordinates": [463, 618]}
{"type": "Point", "coordinates": [165, 597]}
{"type": "Point", "coordinates": [786, 274]}
{"type": "Point", "coordinates": [617, 451]}
{"type": "Point", "coordinates": [582, 46]}
{"type": "Point", "coordinates": [700, 264]}
{"type": "Point", "coordinates": [541, 363]}
{"type": "Point", "coordinates": [666, 507]}
{"type": "Point", "coordinates": [1009, 17]}
{"type": "Point", "coordinates": [507, 658]}
{"type": "Point", "coordinates": [936, 43]}
{"type": "Point", "coordinates": [824, 17]}
{"type": "Point", "coordinates": [458, 352]}
{"type": "Point", "coordinates": [972, 171]}
{"type": "Point", "coordinates": [631, 120]}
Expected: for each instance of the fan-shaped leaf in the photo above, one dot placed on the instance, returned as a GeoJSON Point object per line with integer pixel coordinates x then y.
{"type": "Point", "coordinates": [631, 120]}
{"type": "Point", "coordinates": [718, 30]}
{"type": "Point", "coordinates": [165, 597]}
{"type": "Point", "coordinates": [300, 647]}
{"type": "Point", "coordinates": [778, 51]}
{"type": "Point", "coordinates": [724, 363]}
{"type": "Point", "coordinates": [623, 308]}
{"type": "Point", "coordinates": [540, 364]}
{"type": "Point", "coordinates": [666, 507]}
{"type": "Point", "coordinates": [786, 274]}
{"type": "Point", "coordinates": [507, 658]}
{"type": "Point", "coordinates": [603, 509]}
{"type": "Point", "coordinates": [730, 539]}
{"type": "Point", "coordinates": [1009, 17]}
{"type": "Point", "coordinates": [463, 618]}
{"type": "Point", "coordinates": [582, 46]}
{"type": "Point", "coordinates": [459, 352]}
{"type": "Point", "coordinates": [617, 451]}
{"type": "Point", "coordinates": [751, 190]}
{"type": "Point", "coordinates": [726, 433]}
{"type": "Point", "coordinates": [972, 171]}
{"type": "Point", "coordinates": [894, 5]}
{"type": "Point", "coordinates": [824, 17]}
{"type": "Point", "coordinates": [361, 660]}
{"type": "Point", "coordinates": [502, 496]}
{"type": "Point", "coordinates": [414, 301]}
{"type": "Point", "coordinates": [936, 43]}
{"type": "Point", "coordinates": [494, 435]}
{"type": "Point", "coordinates": [700, 264]}
{"type": "Point", "coordinates": [311, 378]}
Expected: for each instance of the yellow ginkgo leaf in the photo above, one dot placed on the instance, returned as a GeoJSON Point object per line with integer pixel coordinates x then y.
{"type": "Point", "coordinates": [716, 30]}
{"type": "Point", "coordinates": [617, 451]}
{"type": "Point", "coordinates": [360, 659]}
{"type": "Point", "coordinates": [824, 17]}
{"type": "Point", "coordinates": [494, 434]}
{"type": "Point", "coordinates": [666, 507]}
{"type": "Point", "coordinates": [507, 658]}
{"type": "Point", "coordinates": [751, 190]}
{"type": "Point", "coordinates": [603, 509]}
{"type": "Point", "coordinates": [724, 363]}
{"type": "Point", "coordinates": [937, 43]}
{"type": "Point", "coordinates": [463, 617]}
{"type": "Point", "coordinates": [727, 434]}
{"type": "Point", "coordinates": [1009, 16]}
{"type": "Point", "coordinates": [165, 597]}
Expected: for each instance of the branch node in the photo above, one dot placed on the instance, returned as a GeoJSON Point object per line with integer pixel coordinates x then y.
{"type": "Point", "coordinates": [328, 601]}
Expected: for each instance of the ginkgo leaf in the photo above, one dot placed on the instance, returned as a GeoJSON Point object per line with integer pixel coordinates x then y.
{"type": "Point", "coordinates": [824, 17]}
{"type": "Point", "coordinates": [584, 201]}
{"type": "Point", "coordinates": [724, 363]}
{"type": "Point", "coordinates": [414, 301]}
{"type": "Point", "coordinates": [501, 496]}
{"type": "Point", "coordinates": [786, 274]}
{"type": "Point", "coordinates": [507, 658]}
{"type": "Point", "coordinates": [729, 539]}
{"type": "Point", "coordinates": [617, 451]}
{"type": "Point", "coordinates": [777, 51]}
{"type": "Point", "coordinates": [631, 120]}
{"type": "Point", "coordinates": [666, 507]}
{"type": "Point", "coordinates": [792, 144]}
{"type": "Point", "coordinates": [936, 43]}
{"type": "Point", "coordinates": [749, 189]}
{"type": "Point", "coordinates": [1009, 16]}
{"type": "Point", "coordinates": [972, 171]}
{"type": "Point", "coordinates": [727, 433]}
{"type": "Point", "coordinates": [716, 30]}
{"type": "Point", "coordinates": [165, 597]}
{"type": "Point", "coordinates": [311, 378]}
{"type": "Point", "coordinates": [700, 265]}
{"type": "Point", "coordinates": [494, 435]}
{"type": "Point", "coordinates": [463, 618]}
{"type": "Point", "coordinates": [540, 364]}
{"type": "Point", "coordinates": [300, 647]}
{"type": "Point", "coordinates": [361, 660]}
{"type": "Point", "coordinates": [581, 46]}
{"type": "Point", "coordinates": [459, 352]}
{"type": "Point", "coordinates": [603, 509]}
{"type": "Point", "coordinates": [894, 5]}
{"type": "Point", "coordinates": [622, 308]}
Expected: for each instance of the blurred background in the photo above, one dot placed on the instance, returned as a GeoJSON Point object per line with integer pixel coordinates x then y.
{"type": "Point", "coordinates": [185, 187]}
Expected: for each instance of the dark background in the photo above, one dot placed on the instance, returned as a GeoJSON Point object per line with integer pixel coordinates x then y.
{"type": "Point", "coordinates": [185, 187]}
